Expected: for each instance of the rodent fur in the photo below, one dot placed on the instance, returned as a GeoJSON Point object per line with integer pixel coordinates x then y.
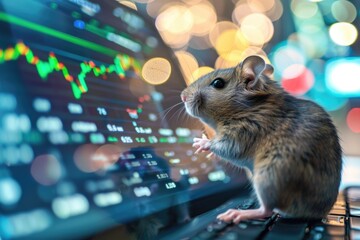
{"type": "Point", "coordinates": [291, 142]}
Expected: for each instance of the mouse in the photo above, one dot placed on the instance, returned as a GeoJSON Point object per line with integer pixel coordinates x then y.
{"type": "Point", "coordinates": [290, 144]}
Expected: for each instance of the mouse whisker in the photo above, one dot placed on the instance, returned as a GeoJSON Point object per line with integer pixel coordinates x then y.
{"type": "Point", "coordinates": [168, 110]}
{"type": "Point", "coordinates": [174, 114]}
{"type": "Point", "coordinates": [171, 107]}
{"type": "Point", "coordinates": [183, 114]}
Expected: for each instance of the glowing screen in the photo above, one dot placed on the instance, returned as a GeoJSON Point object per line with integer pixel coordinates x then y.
{"type": "Point", "coordinates": [88, 119]}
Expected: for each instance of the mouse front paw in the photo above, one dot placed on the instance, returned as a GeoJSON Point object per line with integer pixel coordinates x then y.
{"type": "Point", "coordinates": [236, 216]}
{"type": "Point", "coordinates": [202, 144]}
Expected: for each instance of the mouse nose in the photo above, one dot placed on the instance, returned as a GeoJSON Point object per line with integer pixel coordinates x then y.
{"type": "Point", "coordinates": [183, 98]}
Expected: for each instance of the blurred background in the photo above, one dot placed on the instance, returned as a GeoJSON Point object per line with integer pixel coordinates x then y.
{"type": "Point", "coordinates": [313, 46]}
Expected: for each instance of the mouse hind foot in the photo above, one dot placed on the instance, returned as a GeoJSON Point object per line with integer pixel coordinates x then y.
{"type": "Point", "coordinates": [236, 216]}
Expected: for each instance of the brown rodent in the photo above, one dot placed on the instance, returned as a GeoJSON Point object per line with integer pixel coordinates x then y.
{"type": "Point", "coordinates": [292, 143]}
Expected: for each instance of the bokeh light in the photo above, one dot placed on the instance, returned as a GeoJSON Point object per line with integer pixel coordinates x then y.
{"type": "Point", "coordinates": [154, 8]}
{"type": "Point", "coordinates": [204, 18]}
{"type": "Point", "coordinates": [310, 27]}
{"type": "Point", "coordinates": [175, 24]}
{"type": "Point", "coordinates": [343, 11]}
{"type": "Point", "coordinates": [353, 120]}
{"type": "Point", "coordinates": [261, 6]}
{"type": "Point", "coordinates": [327, 100]}
{"type": "Point", "coordinates": [257, 28]}
{"type": "Point", "coordinates": [343, 33]}
{"type": "Point", "coordinates": [201, 71]}
{"type": "Point", "coordinates": [304, 9]}
{"type": "Point", "coordinates": [235, 60]}
{"type": "Point", "coordinates": [241, 11]}
{"type": "Point", "coordinates": [230, 44]}
{"type": "Point", "coordinates": [192, 2]}
{"type": "Point", "coordinates": [188, 64]}
{"type": "Point", "coordinates": [276, 11]}
{"type": "Point", "coordinates": [10, 191]}
{"type": "Point", "coordinates": [46, 169]}
{"type": "Point", "coordinates": [83, 158]}
{"type": "Point", "coordinates": [223, 63]}
{"type": "Point", "coordinates": [342, 77]}
{"type": "Point", "coordinates": [218, 29]}
{"type": "Point", "coordinates": [128, 4]}
{"type": "Point", "coordinates": [143, 1]}
{"type": "Point", "coordinates": [107, 155]}
{"type": "Point", "coordinates": [92, 158]}
{"type": "Point", "coordinates": [252, 50]}
{"type": "Point", "coordinates": [176, 41]}
{"type": "Point", "coordinates": [156, 71]}
{"type": "Point", "coordinates": [295, 83]}
{"type": "Point", "coordinates": [314, 44]}
{"type": "Point", "coordinates": [175, 19]}
{"type": "Point", "coordinates": [271, 8]}
{"type": "Point", "coordinates": [286, 54]}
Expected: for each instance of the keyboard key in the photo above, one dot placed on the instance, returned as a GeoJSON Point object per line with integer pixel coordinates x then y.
{"type": "Point", "coordinates": [355, 223]}
{"type": "Point", "coordinates": [355, 234]}
{"type": "Point", "coordinates": [329, 230]}
{"type": "Point", "coordinates": [332, 238]}
{"type": "Point", "coordinates": [217, 226]}
{"type": "Point", "coordinates": [247, 204]}
{"type": "Point", "coordinates": [335, 230]}
{"type": "Point", "coordinates": [353, 194]}
{"type": "Point", "coordinates": [284, 230]}
{"type": "Point", "coordinates": [251, 229]}
{"type": "Point", "coordinates": [340, 197]}
{"type": "Point", "coordinates": [355, 212]}
{"type": "Point", "coordinates": [334, 220]}
{"type": "Point", "coordinates": [338, 211]}
{"type": "Point", "coordinates": [340, 202]}
{"type": "Point", "coordinates": [232, 235]}
{"type": "Point", "coordinates": [211, 230]}
{"type": "Point", "coordinates": [339, 208]}
{"type": "Point", "coordinates": [247, 231]}
{"type": "Point", "coordinates": [204, 235]}
{"type": "Point", "coordinates": [316, 236]}
{"type": "Point", "coordinates": [354, 204]}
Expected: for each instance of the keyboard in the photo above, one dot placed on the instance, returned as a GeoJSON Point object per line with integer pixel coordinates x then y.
{"type": "Point", "coordinates": [343, 222]}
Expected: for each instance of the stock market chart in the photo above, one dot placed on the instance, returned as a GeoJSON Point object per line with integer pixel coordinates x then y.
{"type": "Point", "coordinates": [84, 124]}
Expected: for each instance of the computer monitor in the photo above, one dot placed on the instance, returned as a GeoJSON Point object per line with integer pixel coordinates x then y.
{"type": "Point", "coordinates": [90, 131]}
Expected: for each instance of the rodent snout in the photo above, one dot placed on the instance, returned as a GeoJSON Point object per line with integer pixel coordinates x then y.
{"type": "Point", "coordinates": [183, 98]}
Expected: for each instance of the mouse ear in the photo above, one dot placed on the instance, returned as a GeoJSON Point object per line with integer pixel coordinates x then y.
{"type": "Point", "coordinates": [268, 71]}
{"type": "Point", "coordinates": [250, 70]}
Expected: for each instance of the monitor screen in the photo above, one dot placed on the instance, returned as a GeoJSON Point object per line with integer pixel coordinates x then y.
{"type": "Point", "coordinates": [92, 129]}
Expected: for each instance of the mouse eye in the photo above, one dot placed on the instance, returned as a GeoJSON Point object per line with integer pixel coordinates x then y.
{"type": "Point", "coordinates": [218, 83]}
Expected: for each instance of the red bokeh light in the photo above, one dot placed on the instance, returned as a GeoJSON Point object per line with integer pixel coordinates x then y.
{"type": "Point", "coordinates": [297, 79]}
{"type": "Point", "coordinates": [353, 120]}
{"type": "Point", "coordinates": [46, 169]}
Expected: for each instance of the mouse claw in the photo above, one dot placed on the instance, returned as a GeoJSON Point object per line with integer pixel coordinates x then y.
{"type": "Point", "coordinates": [202, 144]}
{"type": "Point", "coordinates": [210, 155]}
{"type": "Point", "coordinates": [203, 137]}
